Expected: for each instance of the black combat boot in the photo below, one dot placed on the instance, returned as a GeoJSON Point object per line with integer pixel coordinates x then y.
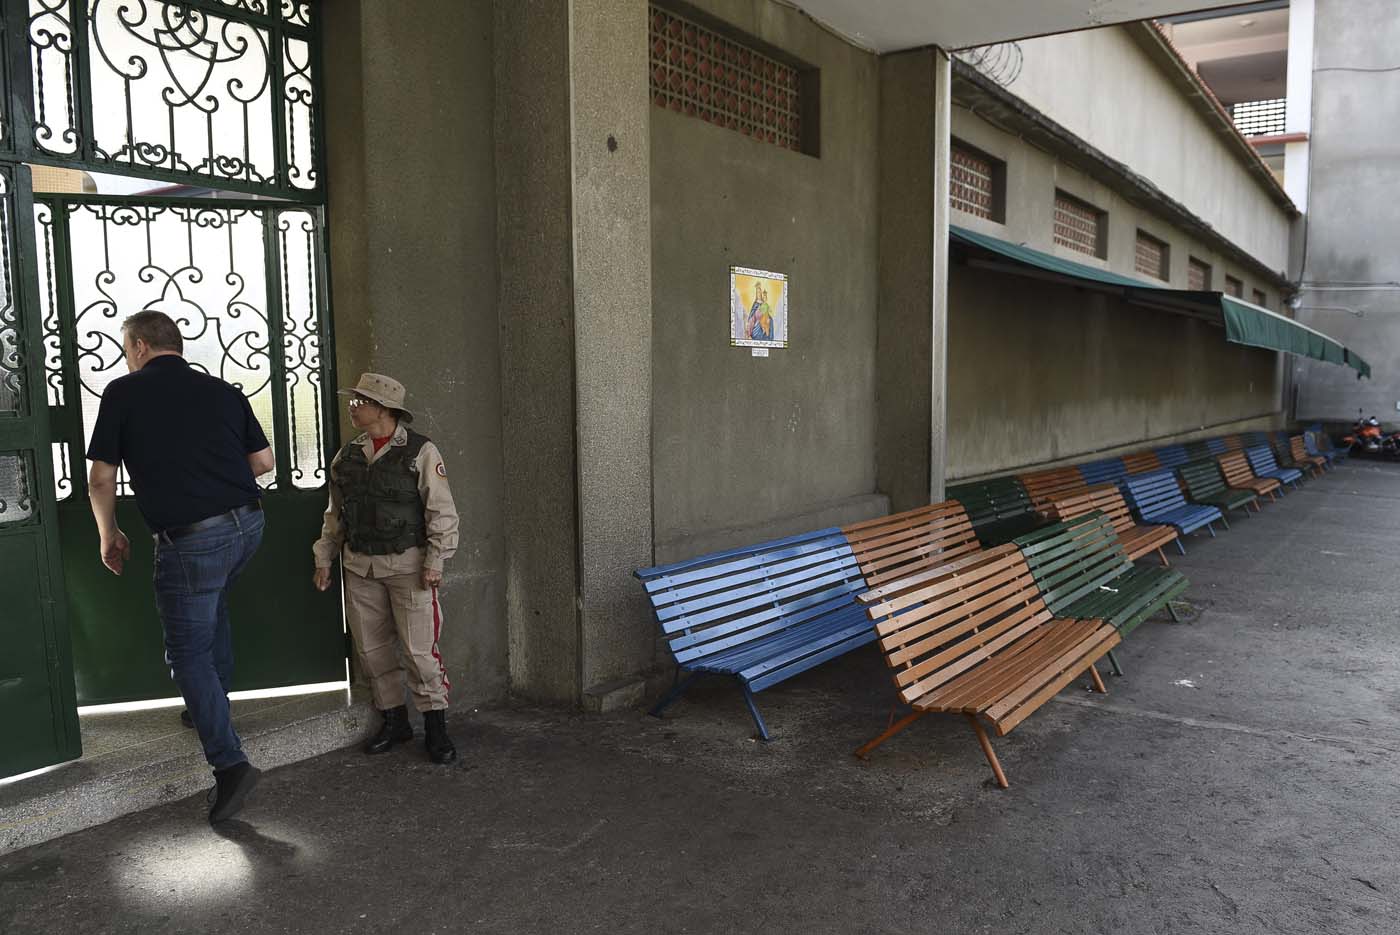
{"type": "Point", "coordinates": [440, 749]}
{"type": "Point", "coordinates": [394, 729]}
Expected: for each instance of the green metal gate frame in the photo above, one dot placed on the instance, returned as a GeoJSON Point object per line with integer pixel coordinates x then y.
{"type": "Point", "coordinates": [32, 32]}
{"type": "Point", "coordinates": [40, 723]}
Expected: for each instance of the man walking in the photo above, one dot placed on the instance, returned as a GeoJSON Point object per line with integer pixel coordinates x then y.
{"type": "Point", "coordinates": [193, 450]}
{"type": "Point", "coordinates": [392, 521]}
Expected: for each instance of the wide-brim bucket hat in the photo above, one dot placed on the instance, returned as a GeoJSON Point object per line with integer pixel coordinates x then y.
{"type": "Point", "coordinates": [384, 390]}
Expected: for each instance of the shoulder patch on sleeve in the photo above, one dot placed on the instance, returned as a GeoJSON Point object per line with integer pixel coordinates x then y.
{"type": "Point", "coordinates": [441, 469]}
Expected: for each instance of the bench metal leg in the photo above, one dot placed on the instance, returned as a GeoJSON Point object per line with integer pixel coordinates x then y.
{"type": "Point", "coordinates": [1179, 547]}
{"type": "Point", "coordinates": [757, 718]}
{"type": "Point", "coordinates": [1172, 610]}
{"type": "Point", "coordinates": [990, 753]}
{"type": "Point", "coordinates": [893, 728]}
{"type": "Point", "coordinates": [1211, 525]}
{"type": "Point", "coordinates": [1113, 664]}
{"type": "Point", "coordinates": [677, 689]}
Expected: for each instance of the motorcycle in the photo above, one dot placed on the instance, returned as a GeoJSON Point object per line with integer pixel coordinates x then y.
{"type": "Point", "coordinates": [1367, 438]}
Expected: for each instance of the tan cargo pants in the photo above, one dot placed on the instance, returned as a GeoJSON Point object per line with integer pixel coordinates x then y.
{"type": "Point", "coordinates": [393, 614]}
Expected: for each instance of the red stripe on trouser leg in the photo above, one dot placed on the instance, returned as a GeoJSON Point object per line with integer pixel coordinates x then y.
{"type": "Point", "coordinates": [437, 631]}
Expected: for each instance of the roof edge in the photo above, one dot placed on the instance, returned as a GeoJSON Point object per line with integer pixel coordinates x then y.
{"type": "Point", "coordinates": [971, 88]}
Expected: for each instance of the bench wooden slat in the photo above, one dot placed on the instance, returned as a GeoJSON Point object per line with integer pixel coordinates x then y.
{"type": "Point", "coordinates": [1142, 462]}
{"type": "Point", "coordinates": [902, 544]}
{"type": "Point", "coordinates": [1045, 486]}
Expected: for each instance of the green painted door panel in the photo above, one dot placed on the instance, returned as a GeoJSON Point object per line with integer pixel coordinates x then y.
{"type": "Point", "coordinates": [38, 728]}
{"type": "Point", "coordinates": [285, 632]}
{"type": "Point", "coordinates": [38, 711]}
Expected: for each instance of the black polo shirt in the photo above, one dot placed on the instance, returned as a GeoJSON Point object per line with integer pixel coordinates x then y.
{"type": "Point", "coordinates": [184, 437]}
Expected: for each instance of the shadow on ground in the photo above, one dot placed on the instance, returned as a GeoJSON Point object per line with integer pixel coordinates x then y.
{"type": "Point", "coordinates": [1239, 779]}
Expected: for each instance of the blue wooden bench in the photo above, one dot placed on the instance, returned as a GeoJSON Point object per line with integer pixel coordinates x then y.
{"type": "Point", "coordinates": [759, 614]}
{"type": "Point", "coordinates": [1107, 471]}
{"type": "Point", "coordinates": [1323, 443]}
{"type": "Point", "coordinates": [1156, 498]}
{"type": "Point", "coordinates": [1311, 446]}
{"type": "Point", "coordinates": [1261, 459]}
{"type": "Point", "coordinates": [1172, 456]}
{"type": "Point", "coordinates": [1216, 446]}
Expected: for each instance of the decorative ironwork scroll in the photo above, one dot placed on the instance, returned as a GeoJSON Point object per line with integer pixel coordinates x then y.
{"type": "Point", "coordinates": [215, 92]}
{"type": "Point", "coordinates": [201, 264]}
{"type": "Point", "coordinates": [301, 345]}
{"type": "Point", "coordinates": [51, 61]}
{"type": "Point", "coordinates": [11, 358]}
{"type": "Point", "coordinates": [48, 303]}
{"type": "Point", "coordinates": [205, 263]}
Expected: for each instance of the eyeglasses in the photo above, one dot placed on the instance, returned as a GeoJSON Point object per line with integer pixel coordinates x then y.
{"type": "Point", "coordinates": [357, 401]}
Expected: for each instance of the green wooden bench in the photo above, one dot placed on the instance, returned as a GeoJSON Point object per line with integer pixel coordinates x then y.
{"type": "Point", "coordinates": [1205, 484]}
{"type": "Point", "coordinates": [1083, 572]}
{"type": "Point", "coordinates": [999, 509]}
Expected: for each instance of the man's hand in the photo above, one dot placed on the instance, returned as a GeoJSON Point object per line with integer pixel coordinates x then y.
{"type": "Point", "coordinates": [322, 579]}
{"type": "Point", "coordinates": [431, 578]}
{"type": "Point", "coordinates": [115, 551]}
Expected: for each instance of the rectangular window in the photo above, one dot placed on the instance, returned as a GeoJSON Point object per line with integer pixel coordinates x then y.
{"type": "Point", "coordinates": [1260, 299]}
{"type": "Point", "coordinates": [1153, 256]}
{"type": "Point", "coordinates": [1080, 226]}
{"type": "Point", "coordinates": [1234, 287]}
{"type": "Point", "coordinates": [977, 183]}
{"type": "Point", "coordinates": [1197, 275]}
{"type": "Point", "coordinates": [726, 80]}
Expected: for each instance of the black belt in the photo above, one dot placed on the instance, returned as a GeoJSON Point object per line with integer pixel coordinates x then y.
{"type": "Point", "coordinates": [232, 516]}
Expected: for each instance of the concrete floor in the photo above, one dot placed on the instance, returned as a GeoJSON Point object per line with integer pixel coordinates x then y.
{"type": "Point", "coordinates": [1240, 779]}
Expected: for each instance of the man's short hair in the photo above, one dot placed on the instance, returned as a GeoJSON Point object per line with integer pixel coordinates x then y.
{"type": "Point", "coordinates": [157, 329]}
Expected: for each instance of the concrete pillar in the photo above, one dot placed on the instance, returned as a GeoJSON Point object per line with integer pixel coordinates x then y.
{"type": "Point", "coordinates": [911, 372]}
{"type": "Point", "coordinates": [573, 190]}
{"type": "Point", "coordinates": [412, 247]}
{"type": "Point", "coordinates": [938, 313]}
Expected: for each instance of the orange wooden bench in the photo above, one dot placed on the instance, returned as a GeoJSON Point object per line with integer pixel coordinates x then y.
{"type": "Point", "coordinates": [1045, 486]}
{"type": "Point", "coordinates": [1135, 539]}
{"type": "Point", "coordinates": [980, 642]}
{"type": "Point", "coordinates": [1239, 474]}
{"type": "Point", "coordinates": [1297, 447]}
{"type": "Point", "coordinates": [1142, 463]}
{"type": "Point", "coordinates": [1233, 443]}
{"type": "Point", "coordinates": [901, 544]}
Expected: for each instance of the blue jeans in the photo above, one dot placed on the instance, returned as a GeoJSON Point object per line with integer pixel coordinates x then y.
{"type": "Point", "coordinates": [193, 577]}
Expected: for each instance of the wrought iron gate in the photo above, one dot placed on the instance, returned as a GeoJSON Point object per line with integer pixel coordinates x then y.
{"type": "Point", "coordinates": [244, 281]}
{"type": "Point", "coordinates": [211, 96]}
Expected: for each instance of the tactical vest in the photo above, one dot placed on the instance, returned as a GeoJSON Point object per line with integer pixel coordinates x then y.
{"type": "Point", "coordinates": [381, 510]}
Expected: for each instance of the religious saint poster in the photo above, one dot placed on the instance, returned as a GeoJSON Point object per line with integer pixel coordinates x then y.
{"type": "Point", "coordinates": [758, 308]}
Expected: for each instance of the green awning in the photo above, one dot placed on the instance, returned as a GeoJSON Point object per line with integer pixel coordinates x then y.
{"type": "Point", "coordinates": [1244, 322]}
{"type": "Point", "coordinates": [1247, 323]}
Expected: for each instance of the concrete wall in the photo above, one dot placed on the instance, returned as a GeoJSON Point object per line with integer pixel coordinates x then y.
{"type": "Point", "coordinates": [1040, 372]}
{"type": "Point", "coordinates": [412, 209]}
{"type": "Point", "coordinates": [1353, 227]}
{"type": "Point", "coordinates": [1033, 175]}
{"type": "Point", "coordinates": [743, 442]}
{"type": "Point", "coordinates": [1080, 80]}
